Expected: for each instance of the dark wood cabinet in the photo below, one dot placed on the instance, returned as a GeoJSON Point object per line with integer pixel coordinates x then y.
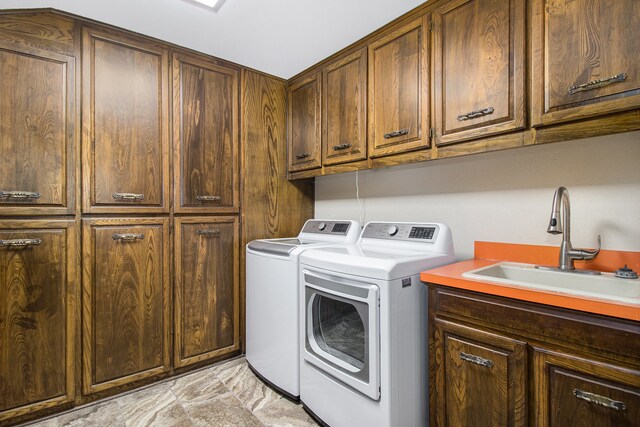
{"type": "Point", "coordinates": [125, 301]}
{"type": "Point", "coordinates": [399, 90]}
{"type": "Point", "coordinates": [206, 320]}
{"type": "Point", "coordinates": [37, 131]}
{"type": "Point", "coordinates": [344, 101]}
{"type": "Point", "coordinates": [479, 60]}
{"type": "Point", "coordinates": [205, 135]}
{"type": "Point", "coordinates": [38, 315]}
{"type": "Point", "coordinates": [480, 377]}
{"type": "Point", "coordinates": [304, 123]}
{"type": "Point", "coordinates": [125, 120]}
{"type": "Point", "coordinates": [584, 59]}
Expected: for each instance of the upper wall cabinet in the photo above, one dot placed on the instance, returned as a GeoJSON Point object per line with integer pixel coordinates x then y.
{"type": "Point", "coordinates": [398, 90]}
{"type": "Point", "coordinates": [304, 123]}
{"type": "Point", "coordinates": [479, 58]}
{"type": "Point", "coordinates": [584, 59]}
{"type": "Point", "coordinates": [37, 135]}
{"type": "Point", "coordinates": [205, 135]}
{"type": "Point", "coordinates": [344, 103]}
{"type": "Point", "coordinates": [125, 121]}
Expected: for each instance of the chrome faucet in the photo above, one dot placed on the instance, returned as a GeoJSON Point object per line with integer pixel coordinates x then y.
{"type": "Point", "coordinates": [567, 253]}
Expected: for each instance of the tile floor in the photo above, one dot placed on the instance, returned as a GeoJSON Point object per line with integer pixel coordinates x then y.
{"type": "Point", "coordinates": [226, 394]}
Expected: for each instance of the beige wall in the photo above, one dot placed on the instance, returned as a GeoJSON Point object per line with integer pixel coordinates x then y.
{"type": "Point", "coordinates": [505, 196]}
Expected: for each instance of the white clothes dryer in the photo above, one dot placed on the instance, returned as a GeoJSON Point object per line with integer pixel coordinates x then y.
{"type": "Point", "coordinates": [363, 338]}
{"type": "Point", "coordinates": [272, 296]}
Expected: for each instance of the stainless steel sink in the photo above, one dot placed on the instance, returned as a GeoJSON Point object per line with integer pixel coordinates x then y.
{"type": "Point", "coordinates": [605, 286]}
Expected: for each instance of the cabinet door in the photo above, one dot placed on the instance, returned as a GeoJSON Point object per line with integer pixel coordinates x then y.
{"type": "Point", "coordinates": [126, 313]}
{"type": "Point", "coordinates": [205, 134]}
{"type": "Point", "coordinates": [480, 378]}
{"type": "Point", "coordinates": [344, 85]}
{"type": "Point", "coordinates": [206, 317]}
{"type": "Point", "coordinates": [398, 90]}
{"type": "Point", "coordinates": [304, 124]}
{"type": "Point", "coordinates": [125, 120]}
{"type": "Point", "coordinates": [37, 134]}
{"type": "Point", "coordinates": [571, 390]}
{"type": "Point", "coordinates": [38, 315]}
{"type": "Point", "coordinates": [479, 68]}
{"type": "Point", "coordinates": [584, 59]}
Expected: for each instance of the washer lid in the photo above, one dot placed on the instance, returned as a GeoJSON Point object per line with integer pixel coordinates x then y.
{"type": "Point", "coordinates": [282, 247]}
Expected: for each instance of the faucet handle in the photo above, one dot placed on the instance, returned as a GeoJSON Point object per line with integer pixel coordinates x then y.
{"type": "Point", "coordinates": [585, 254]}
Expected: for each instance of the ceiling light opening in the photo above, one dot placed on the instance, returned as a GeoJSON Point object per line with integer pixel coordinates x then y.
{"type": "Point", "coordinates": [213, 5]}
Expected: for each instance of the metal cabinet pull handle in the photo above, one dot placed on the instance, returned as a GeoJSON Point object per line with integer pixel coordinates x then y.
{"type": "Point", "coordinates": [342, 146]}
{"type": "Point", "coordinates": [595, 84]}
{"type": "Point", "coordinates": [128, 237]}
{"type": "Point", "coordinates": [475, 114]}
{"type": "Point", "coordinates": [302, 156]}
{"type": "Point", "coordinates": [209, 198]}
{"type": "Point", "coordinates": [208, 233]}
{"type": "Point", "coordinates": [20, 243]}
{"type": "Point", "coordinates": [396, 133]}
{"type": "Point", "coordinates": [476, 359]}
{"type": "Point", "coordinates": [128, 196]}
{"type": "Point", "coordinates": [599, 400]}
{"type": "Point", "coordinates": [20, 194]}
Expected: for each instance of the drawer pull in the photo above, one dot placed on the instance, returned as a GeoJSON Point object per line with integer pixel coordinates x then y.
{"type": "Point", "coordinates": [128, 196]}
{"type": "Point", "coordinates": [342, 146]}
{"type": "Point", "coordinates": [19, 243]}
{"type": "Point", "coordinates": [128, 237]}
{"type": "Point", "coordinates": [599, 400]}
{"type": "Point", "coordinates": [302, 156]}
{"type": "Point", "coordinates": [595, 84]}
{"type": "Point", "coordinates": [208, 233]}
{"type": "Point", "coordinates": [20, 194]}
{"type": "Point", "coordinates": [476, 359]}
{"type": "Point", "coordinates": [208, 198]}
{"type": "Point", "coordinates": [396, 133]}
{"type": "Point", "coordinates": [476, 113]}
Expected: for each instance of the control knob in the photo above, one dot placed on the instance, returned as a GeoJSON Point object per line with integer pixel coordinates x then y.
{"type": "Point", "coordinates": [322, 226]}
{"type": "Point", "coordinates": [392, 230]}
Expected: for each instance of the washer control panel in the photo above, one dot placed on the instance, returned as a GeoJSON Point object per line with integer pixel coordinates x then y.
{"type": "Point", "coordinates": [337, 228]}
{"type": "Point", "coordinates": [401, 231]}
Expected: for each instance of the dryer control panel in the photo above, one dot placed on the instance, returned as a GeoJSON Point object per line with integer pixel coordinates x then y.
{"type": "Point", "coordinates": [336, 228]}
{"type": "Point", "coordinates": [418, 232]}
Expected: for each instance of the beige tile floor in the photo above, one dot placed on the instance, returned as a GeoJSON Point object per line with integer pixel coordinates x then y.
{"type": "Point", "coordinates": [226, 394]}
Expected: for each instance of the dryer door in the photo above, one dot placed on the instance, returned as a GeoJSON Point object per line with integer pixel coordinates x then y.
{"type": "Point", "coordinates": [342, 337]}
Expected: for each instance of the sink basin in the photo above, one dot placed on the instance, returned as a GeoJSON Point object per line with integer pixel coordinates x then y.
{"type": "Point", "coordinates": [605, 286]}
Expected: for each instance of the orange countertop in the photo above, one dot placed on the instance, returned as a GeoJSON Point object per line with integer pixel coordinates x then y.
{"type": "Point", "coordinates": [488, 253]}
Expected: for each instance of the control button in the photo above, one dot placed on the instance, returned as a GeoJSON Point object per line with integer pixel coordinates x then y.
{"type": "Point", "coordinates": [322, 226]}
{"type": "Point", "coordinates": [392, 230]}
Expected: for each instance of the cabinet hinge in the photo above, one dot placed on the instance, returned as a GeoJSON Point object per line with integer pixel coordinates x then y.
{"type": "Point", "coordinates": [431, 26]}
{"type": "Point", "coordinates": [432, 133]}
{"type": "Point", "coordinates": [170, 228]}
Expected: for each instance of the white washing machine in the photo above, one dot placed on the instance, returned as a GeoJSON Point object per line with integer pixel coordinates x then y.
{"type": "Point", "coordinates": [272, 296]}
{"type": "Point", "coordinates": [363, 354]}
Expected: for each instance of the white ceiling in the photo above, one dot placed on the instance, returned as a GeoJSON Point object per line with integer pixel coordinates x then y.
{"type": "Point", "coordinates": [280, 37]}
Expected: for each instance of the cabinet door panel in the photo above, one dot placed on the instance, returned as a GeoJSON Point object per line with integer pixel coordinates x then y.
{"type": "Point", "coordinates": [479, 62]}
{"type": "Point", "coordinates": [206, 309]}
{"type": "Point", "coordinates": [205, 135]}
{"type": "Point", "coordinates": [125, 117]}
{"type": "Point", "coordinates": [305, 134]}
{"type": "Point", "coordinates": [125, 301]}
{"type": "Point", "coordinates": [585, 61]}
{"type": "Point", "coordinates": [398, 91]}
{"type": "Point", "coordinates": [37, 315]}
{"type": "Point", "coordinates": [345, 109]}
{"type": "Point", "coordinates": [480, 378]}
{"type": "Point", "coordinates": [36, 133]}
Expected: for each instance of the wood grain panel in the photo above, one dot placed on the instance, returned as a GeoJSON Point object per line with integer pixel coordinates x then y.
{"type": "Point", "coordinates": [37, 135]}
{"type": "Point", "coordinates": [36, 31]}
{"type": "Point", "coordinates": [398, 90]}
{"type": "Point", "coordinates": [479, 48]}
{"type": "Point", "coordinates": [344, 103]}
{"type": "Point", "coordinates": [38, 318]}
{"type": "Point", "coordinates": [578, 42]}
{"type": "Point", "coordinates": [206, 321]}
{"type": "Point", "coordinates": [305, 132]}
{"type": "Point", "coordinates": [125, 123]}
{"type": "Point", "coordinates": [205, 116]}
{"type": "Point", "coordinates": [126, 301]}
